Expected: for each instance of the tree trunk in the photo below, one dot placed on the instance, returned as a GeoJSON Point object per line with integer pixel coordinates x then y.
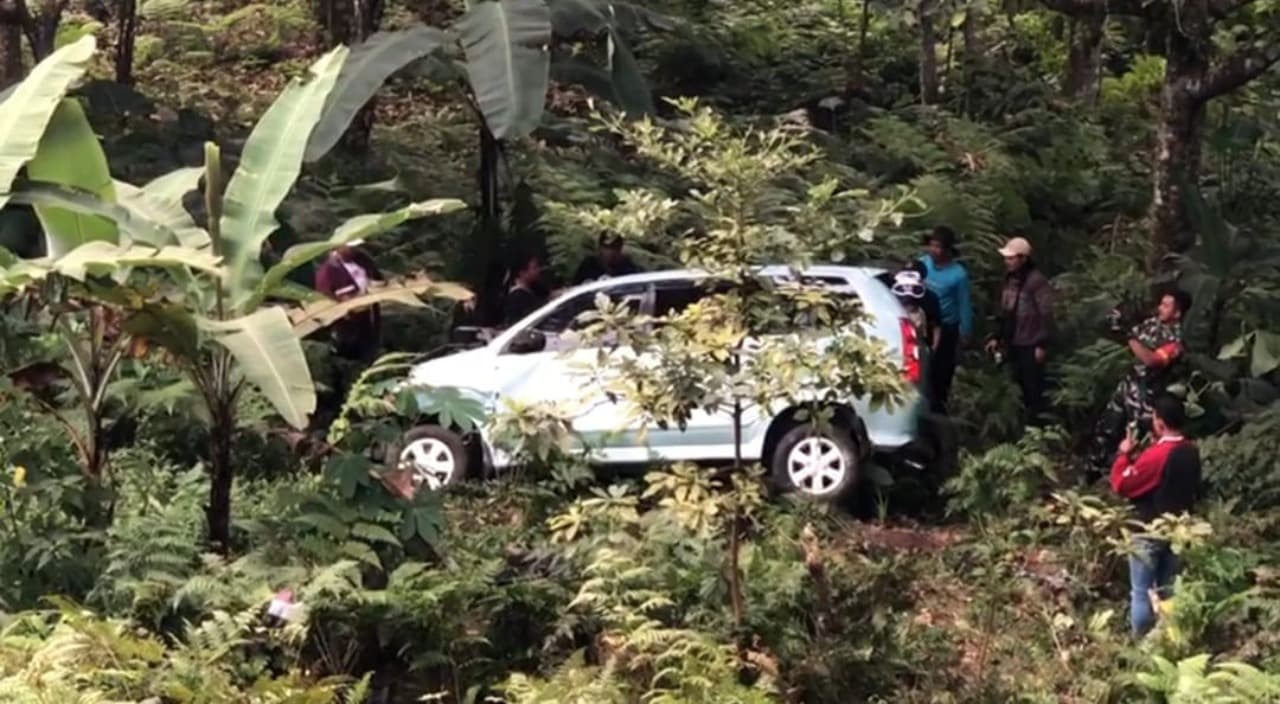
{"type": "Point", "coordinates": [42, 28]}
{"type": "Point", "coordinates": [1177, 154]}
{"type": "Point", "coordinates": [218, 512]}
{"type": "Point", "coordinates": [1177, 166]}
{"type": "Point", "coordinates": [126, 39]}
{"type": "Point", "coordinates": [855, 76]}
{"type": "Point", "coordinates": [490, 154]}
{"type": "Point", "coordinates": [351, 22]}
{"type": "Point", "coordinates": [972, 52]}
{"type": "Point", "coordinates": [10, 44]}
{"type": "Point", "coordinates": [928, 53]}
{"type": "Point", "coordinates": [1084, 56]}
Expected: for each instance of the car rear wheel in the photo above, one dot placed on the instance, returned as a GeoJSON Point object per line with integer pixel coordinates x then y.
{"type": "Point", "coordinates": [817, 462]}
{"type": "Point", "coordinates": [435, 456]}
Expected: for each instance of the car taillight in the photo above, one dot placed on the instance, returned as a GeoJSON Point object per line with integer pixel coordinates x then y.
{"type": "Point", "coordinates": [910, 351]}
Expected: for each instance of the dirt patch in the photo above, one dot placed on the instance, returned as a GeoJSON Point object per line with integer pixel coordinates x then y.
{"type": "Point", "coordinates": [904, 537]}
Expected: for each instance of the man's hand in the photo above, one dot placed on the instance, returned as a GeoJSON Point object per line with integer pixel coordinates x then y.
{"type": "Point", "coordinates": [1039, 355]}
{"type": "Point", "coordinates": [1127, 445]}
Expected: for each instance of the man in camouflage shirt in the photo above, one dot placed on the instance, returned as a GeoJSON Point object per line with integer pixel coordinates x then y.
{"type": "Point", "coordinates": [1156, 344]}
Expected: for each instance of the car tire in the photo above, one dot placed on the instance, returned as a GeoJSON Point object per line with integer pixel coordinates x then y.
{"type": "Point", "coordinates": [437, 457]}
{"type": "Point", "coordinates": [819, 463]}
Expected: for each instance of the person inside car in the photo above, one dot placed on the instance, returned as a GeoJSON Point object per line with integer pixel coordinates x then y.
{"type": "Point", "coordinates": [608, 261]}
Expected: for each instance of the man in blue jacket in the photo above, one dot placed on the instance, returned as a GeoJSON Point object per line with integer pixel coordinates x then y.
{"type": "Point", "coordinates": [949, 281]}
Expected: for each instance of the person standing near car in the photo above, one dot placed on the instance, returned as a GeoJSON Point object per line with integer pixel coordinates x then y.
{"type": "Point", "coordinates": [608, 261]}
{"type": "Point", "coordinates": [949, 281]}
{"type": "Point", "coordinates": [1025, 325]}
{"type": "Point", "coordinates": [524, 294]}
{"type": "Point", "coordinates": [347, 273]}
{"type": "Point", "coordinates": [1163, 480]}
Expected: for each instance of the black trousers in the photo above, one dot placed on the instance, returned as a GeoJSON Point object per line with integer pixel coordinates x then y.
{"type": "Point", "coordinates": [942, 367]}
{"type": "Point", "coordinates": [1029, 375]}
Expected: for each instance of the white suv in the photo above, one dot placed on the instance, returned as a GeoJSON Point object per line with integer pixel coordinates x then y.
{"type": "Point", "coordinates": [528, 363]}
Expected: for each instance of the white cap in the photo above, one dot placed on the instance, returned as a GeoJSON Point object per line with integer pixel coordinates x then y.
{"type": "Point", "coordinates": [1016, 247]}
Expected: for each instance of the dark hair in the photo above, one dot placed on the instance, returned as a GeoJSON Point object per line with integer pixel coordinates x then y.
{"type": "Point", "coordinates": [1170, 411]}
{"type": "Point", "coordinates": [917, 266]}
{"type": "Point", "coordinates": [1181, 298]}
{"type": "Point", "coordinates": [609, 239]}
{"type": "Point", "coordinates": [520, 261]}
{"type": "Point", "coordinates": [944, 235]}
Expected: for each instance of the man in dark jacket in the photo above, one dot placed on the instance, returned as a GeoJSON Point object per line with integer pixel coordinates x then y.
{"type": "Point", "coordinates": [608, 261]}
{"type": "Point", "coordinates": [1025, 324]}
{"type": "Point", "coordinates": [1163, 480]}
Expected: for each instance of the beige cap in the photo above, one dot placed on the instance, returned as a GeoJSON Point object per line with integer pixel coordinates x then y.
{"type": "Point", "coordinates": [1016, 247]}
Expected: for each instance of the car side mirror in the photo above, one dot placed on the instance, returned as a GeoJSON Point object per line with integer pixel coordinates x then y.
{"type": "Point", "coordinates": [528, 342]}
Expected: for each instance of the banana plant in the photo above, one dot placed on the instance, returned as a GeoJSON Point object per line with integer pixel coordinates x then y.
{"type": "Point", "coordinates": [506, 47]}
{"type": "Point", "coordinates": [216, 317]}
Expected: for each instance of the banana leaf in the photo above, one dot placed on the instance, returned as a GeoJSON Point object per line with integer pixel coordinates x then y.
{"type": "Point", "coordinates": [367, 67]}
{"type": "Point", "coordinates": [69, 154]}
{"type": "Point", "coordinates": [161, 201]}
{"type": "Point", "coordinates": [357, 228]}
{"type": "Point", "coordinates": [30, 106]}
{"type": "Point", "coordinates": [98, 257]}
{"type": "Point", "coordinates": [135, 225]}
{"type": "Point", "coordinates": [271, 358]}
{"type": "Point", "coordinates": [323, 313]}
{"type": "Point", "coordinates": [505, 43]}
{"type": "Point", "coordinates": [269, 165]}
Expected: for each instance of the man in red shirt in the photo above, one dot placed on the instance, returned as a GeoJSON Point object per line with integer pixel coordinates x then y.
{"type": "Point", "coordinates": [1164, 479]}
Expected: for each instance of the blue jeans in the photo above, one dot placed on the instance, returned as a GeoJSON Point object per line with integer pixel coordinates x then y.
{"type": "Point", "coordinates": [1151, 566]}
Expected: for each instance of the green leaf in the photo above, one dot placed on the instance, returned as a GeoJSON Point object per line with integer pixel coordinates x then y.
{"type": "Point", "coordinates": [1266, 353]}
{"type": "Point", "coordinates": [143, 204]}
{"type": "Point", "coordinates": [1236, 347]}
{"type": "Point", "coordinates": [133, 224]}
{"type": "Point", "coordinates": [361, 552]}
{"type": "Point", "coordinates": [69, 154]}
{"type": "Point", "coordinates": [30, 106]}
{"type": "Point", "coordinates": [367, 67]}
{"type": "Point", "coordinates": [629, 85]}
{"type": "Point", "coordinates": [357, 228]}
{"type": "Point", "coordinates": [505, 42]}
{"type": "Point", "coordinates": [374, 533]}
{"type": "Point", "coordinates": [161, 201]}
{"type": "Point", "coordinates": [427, 524]}
{"type": "Point", "coordinates": [100, 257]}
{"type": "Point", "coordinates": [572, 17]}
{"type": "Point", "coordinates": [325, 312]}
{"type": "Point", "coordinates": [326, 524]}
{"type": "Point", "coordinates": [449, 405]}
{"type": "Point", "coordinates": [349, 471]}
{"type": "Point", "coordinates": [269, 164]}
{"type": "Point", "coordinates": [271, 358]}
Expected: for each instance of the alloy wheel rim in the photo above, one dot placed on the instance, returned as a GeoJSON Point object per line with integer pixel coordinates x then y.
{"type": "Point", "coordinates": [816, 466]}
{"type": "Point", "coordinates": [431, 461]}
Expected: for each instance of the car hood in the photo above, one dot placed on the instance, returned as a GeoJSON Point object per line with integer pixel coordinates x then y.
{"type": "Point", "coordinates": [465, 370]}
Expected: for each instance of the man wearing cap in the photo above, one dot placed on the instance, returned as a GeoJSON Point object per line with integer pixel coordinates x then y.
{"type": "Point", "coordinates": [608, 261]}
{"type": "Point", "coordinates": [949, 280]}
{"type": "Point", "coordinates": [1025, 324]}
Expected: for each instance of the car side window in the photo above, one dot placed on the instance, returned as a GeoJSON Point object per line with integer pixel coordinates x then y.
{"type": "Point", "coordinates": [550, 331]}
{"type": "Point", "coordinates": [565, 316]}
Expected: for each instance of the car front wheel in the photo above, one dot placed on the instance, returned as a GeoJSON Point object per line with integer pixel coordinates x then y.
{"type": "Point", "coordinates": [819, 463]}
{"type": "Point", "coordinates": [435, 456]}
